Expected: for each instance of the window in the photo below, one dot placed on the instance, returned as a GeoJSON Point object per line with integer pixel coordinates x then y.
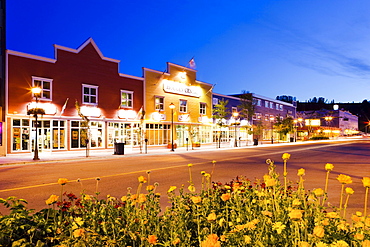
{"type": "Point", "coordinates": [126, 99]}
{"type": "Point", "coordinates": [266, 104]}
{"type": "Point", "coordinates": [281, 107]}
{"type": "Point", "coordinates": [45, 85]}
{"type": "Point", "coordinates": [90, 94]}
{"type": "Point", "coordinates": [159, 103]}
{"type": "Point", "coordinates": [277, 106]}
{"type": "Point", "coordinates": [183, 105]}
{"type": "Point", "coordinates": [215, 101]}
{"type": "Point", "coordinates": [267, 117]}
{"type": "Point", "coordinates": [202, 108]}
{"type": "Point", "coordinates": [259, 102]}
{"type": "Point", "coordinates": [271, 105]}
{"type": "Point", "coordinates": [234, 109]}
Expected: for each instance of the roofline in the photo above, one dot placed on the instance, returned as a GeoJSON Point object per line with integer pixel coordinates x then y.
{"type": "Point", "coordinates": [27, 55]}
{"type": "Point", "coordinates": [256, 96]}
{"type": "Point", "coordinates": [131, 76]}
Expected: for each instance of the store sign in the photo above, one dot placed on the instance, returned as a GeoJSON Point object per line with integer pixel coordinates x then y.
{"type": "Point", "coordinates": [312, 122]}
{"type": "Point", "coordinates": [90, 111]}
{"type": "Point", "coordinates": [49, 108]}
{"type": "Point", "coordinates": [156, 116]}
{"type": "Point", "coordinates": [184, 118]}
{"type": "Point", "coordinates": [127, 114]}
{"type": "Point", "coordinates": [205, 120]}
{"type": "Point", "coordinates": [180, 88]}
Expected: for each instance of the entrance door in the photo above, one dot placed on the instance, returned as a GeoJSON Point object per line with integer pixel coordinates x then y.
{"type": "Point", "coordinates": [43, 135]}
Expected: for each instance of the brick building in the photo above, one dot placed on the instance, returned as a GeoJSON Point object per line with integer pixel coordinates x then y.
{"type": "Point", "coordinates": [110, 100]}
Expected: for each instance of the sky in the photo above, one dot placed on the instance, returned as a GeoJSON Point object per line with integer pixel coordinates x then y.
{"type": "Point", "coordinates": [300, 48]}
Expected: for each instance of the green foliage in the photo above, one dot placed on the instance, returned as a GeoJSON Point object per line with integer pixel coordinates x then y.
{"type": "Point", "coordinates": [220, 111]}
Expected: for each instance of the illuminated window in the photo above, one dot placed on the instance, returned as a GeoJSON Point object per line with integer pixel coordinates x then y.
{"type": "Point", "coordinates": [277, 106]}
{"type": "Point", "coordinates": [281, 107]}
{"type": "Point", "coordinates": [45, 85]}
{"type": "Point", "coordinates": [234, 109]}
{"type": "Point", "coordinates": [126, 99]}
{"type": "Point", "coordinates": [183, 105]}
{"type": "Point", "coordinates": [89, 94]}
{"type": "Point", "coordinates": [202, 108]}
{"type": "Point", "coordinates": [159, 103]}
{"type": "Point", "coordinates": [266, 104]}
{"type": "Point", "coordinates": [271, 105]}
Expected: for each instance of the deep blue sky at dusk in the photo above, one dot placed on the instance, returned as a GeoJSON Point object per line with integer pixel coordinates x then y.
{"type": "Point", "coordinates": [302, 48]}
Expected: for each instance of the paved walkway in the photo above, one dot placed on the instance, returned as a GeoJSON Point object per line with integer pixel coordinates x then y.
{"type": "Point", "coordinates": [25, 158]}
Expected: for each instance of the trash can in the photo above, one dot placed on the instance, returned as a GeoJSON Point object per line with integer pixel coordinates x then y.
{"type": "Point", "coordinates": [291, 139]}
{"type": "Point", "coordinates": [255, 142]}
{"type": "Point", "coordinates": [119, 148]}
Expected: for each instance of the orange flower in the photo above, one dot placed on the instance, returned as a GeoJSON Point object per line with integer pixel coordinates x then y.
{"type": "Point", "coordinates": [142, 198]}
{"type": "Point", "coordinates": [225, 197]}
{"type": "Point", "coordinates": [366, 181]}
{"type": "Point", "coordinates": [196, 199]}
{"type": "Point", "coordinates": [52, 199]}
{"type": "Point", "coordinates": [286, 156]}
{"type": "Point", "coordinates": [318, 192]}
{"type": "Point", "coordinates": [150, 187]}
{"type": "Point", "coordinates": [270, 182]}
{"type": "Point", "coordinates": [176, 241]}
{"type": "Point", "coordinates": [318, 231]}
{"type": "Point", "coordinates": [211, 241]}
{"type": "Point", "coordinates": [62, 181]}
{"type": "Point", "coordinates": [359, 236]}
{"type": "Point", "coordinates": [211, 217]}
{"type": "Point", "coordinates": [344, 179]}
{"type": "Point", "coordinates": [366, 243]}
{"type": "Point", "coordinates": [152, 239]}
{"type": "Point", "coordinates": [78, 232]}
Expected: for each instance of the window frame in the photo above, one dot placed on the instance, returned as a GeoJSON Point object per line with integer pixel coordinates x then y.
{"type": "Point", "coordinates": [160, 104]}
{"type": "Point", "coordinates": [202, 108]}
{"type": "Point", "coordinates": [83, 94]}
{"type": "Point", "coordinates": [181, 107]}
{"type": "Point", "coordinates": [43, 90]}
{"type": "Point", "coordinates": [127, 100]}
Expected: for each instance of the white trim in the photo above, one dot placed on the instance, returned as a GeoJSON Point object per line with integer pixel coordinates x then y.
{"type": "Point", "coordinates": [132, 98]}
{"type": "Point", "coordinates": [38, 78]}
{"type": "Point", "coordinates": [97, 93]}
{"type": "Point", "coordinates": [131, 76]}
{"type": "Point", "coordinates": [26, 55]}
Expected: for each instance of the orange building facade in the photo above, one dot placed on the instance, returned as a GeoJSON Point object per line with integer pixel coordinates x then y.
{"type": "Point", "coordinates": [191, 115]}
{"type": "Point", "coordinates": [110, 101]}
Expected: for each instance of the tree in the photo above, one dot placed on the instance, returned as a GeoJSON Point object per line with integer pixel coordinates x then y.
{"type": "Point", "coordinates": [220, 111]}
{"type": "Point", "coordinates": [247, 105]}
{"type": "Point", "coordinates": [284, 126]}
{"type": "Point", "coordinates": [85, 123]}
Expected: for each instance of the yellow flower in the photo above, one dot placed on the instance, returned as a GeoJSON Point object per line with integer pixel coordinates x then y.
{"type": "Point", "coordinates": [266, 177]}
{"type": "Point", "coordinates": [79, 221]}
{"type": "Point", "coordinates": [296, 202]}
{"type": "Point", "coordinates": [295, 214]}
{"type": "Point", "coordinates": [225, 197]}
{"type": "Point", "coordinates": [332, 215]}
{"type": "Point", "coordinates": [62, 181]}
{"type": "Point", "coordinates": [196, 199]}
{"type": "Point", "coordinates": [344, 179]}
{"type": "Point", "coordinates": [303, 244]}
{"type": "Point", "coordinates": [286, 156]}
{"type": "Point", "coordinates": [202, 173]}
{"type": "Point", "coordinates": [124, 198]}
{"type": "Point", "coordinates": [340, 243]}
{"type": "Point", "coordinates": [247, 239]}
{"type": "Point", "coordinates": [301, 172]}
{"type": "Point", "coordinates": [366, 243]}
{"type": "Point", "coordinates": [141, 179]}
{"type": "Point", "coordinates": [142, 198]}
{"type": "Point", "coordinates": [191, 188]}
{"type": "Point", "coordinates": [52, 199]}
{"type": "Point", "coordinates": [270, 182]}
{"type": "Point", "coordinates": [87, 197]}
{"type": "Point", "coordinates": [318, 231]}
{"type": "Point", "coordinates": [211, 241]}
{"type": "Point", "coordinates": [366, 181]}
{"type": "Point", "coordinates": [329, 167]}
{"type": "Point", "coordinates": [150, 187]}
{"type": "Point", "coordinates": [172, 188]}
{"type": "Point", "coordinates": [152, 239]}
{"type": "Point", "coordinates": [78, 233]}
{"type": "Point", "coordinates": [190, 165]}
{"type": "Point", "coordinates": [321, 244]}
{"type": "Point", "coordinates": [211, 217]}
{"type": "Point", "coordinates": [349, 191]}
{"type": "Point", "coordinates": [318, 192]}
{"type": "Point", "coordinates": [267, 213]}
{"type": "Point", "coordinates": [278, 227]}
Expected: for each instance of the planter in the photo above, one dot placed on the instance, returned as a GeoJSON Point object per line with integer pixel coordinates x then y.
{"type": "Point", "coordinates": [169, 145]}
{"type": "Point", "coordinates": [196, 145]}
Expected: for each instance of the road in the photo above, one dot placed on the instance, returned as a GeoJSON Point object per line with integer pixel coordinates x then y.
{"type": "Point", "coordinates": [36, 182]}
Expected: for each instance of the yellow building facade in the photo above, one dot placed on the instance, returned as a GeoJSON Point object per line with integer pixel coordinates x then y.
{"type": "Point", "coordinates": [178, 107]}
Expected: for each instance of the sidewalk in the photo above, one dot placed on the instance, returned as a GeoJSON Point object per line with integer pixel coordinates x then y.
{"type": "Point", "coordinates": [27, 158]}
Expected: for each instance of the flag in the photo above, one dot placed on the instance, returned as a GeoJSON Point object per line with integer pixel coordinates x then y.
{"type": "Point", "coordinates": [64, 106]}
{"type": "Point", "coordinates": [141, 113]}
{"type": "Point", "coordinates": [192, 63]}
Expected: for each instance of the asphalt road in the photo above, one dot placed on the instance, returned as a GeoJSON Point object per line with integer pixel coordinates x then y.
{"type": "Point", "coordinates": [36, 182]}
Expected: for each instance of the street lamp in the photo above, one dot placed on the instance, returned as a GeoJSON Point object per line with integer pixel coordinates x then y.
{"type": "Point", "coordinates": [36, 92]}
{"type": "Point", "coordinates": [235, 115]}
{"type": "Point", "coordinates": [272, 129]}
{"type": "Point", "coordinates": [172, 106]}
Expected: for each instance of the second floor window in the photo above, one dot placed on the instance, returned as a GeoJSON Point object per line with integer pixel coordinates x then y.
{"type": "Point", "coordinates": [183, 105]}
{"type": "Point", "coordinates": [126, 99]}
{"type": "Point", "coordinates": [202, 108]}
{"type": "Point", "coordinates": [159, 103]}
{"type": "Point", "coordinates": [90, 94]}
{"type": "Point", "coordinates": [45, 85]}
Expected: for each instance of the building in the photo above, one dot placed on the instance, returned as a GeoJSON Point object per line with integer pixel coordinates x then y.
{"type": "Point", "coordinates": [109, 101]}
{"type": "Point", "coordinates": [265, 112]}
{"type": "Point", "coordinates": [327, 124]}
{"type": "Point", "coordinates": [2, 76]}
{"type": "Point", "coordinates": [191, 115]}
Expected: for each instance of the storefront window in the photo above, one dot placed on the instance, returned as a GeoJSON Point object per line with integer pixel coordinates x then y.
{"type": "Point", "coordinates": [58, 134]}
{"type": "Point", "coordinates": [83, 135]}
{"type": "Point", "coordinates": [20, 134]}
{"type": "Point", "coordinates": [158, 134]}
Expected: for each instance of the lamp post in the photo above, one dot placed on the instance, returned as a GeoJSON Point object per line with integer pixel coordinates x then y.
{"type": "Point", "coordinates": [272, 130]}
{"type": "Point", "coordinates": [328, 123]}
{"type": "Point", "coordinates": [36, 92]}
{"type": "Point", "coordinates": [172, 106]}
{"type": "Point", "coordinates": [235, 115]}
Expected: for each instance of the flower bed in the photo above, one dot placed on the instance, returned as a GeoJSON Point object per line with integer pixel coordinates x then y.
{"type": "Point", "coordinates": [265, 212]}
